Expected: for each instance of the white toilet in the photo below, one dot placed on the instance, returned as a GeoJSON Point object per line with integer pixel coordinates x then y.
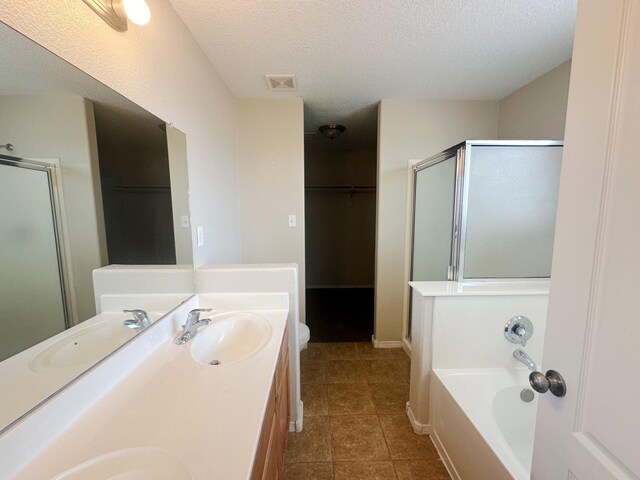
{"type": "Point", "coordinates": [303, 336]}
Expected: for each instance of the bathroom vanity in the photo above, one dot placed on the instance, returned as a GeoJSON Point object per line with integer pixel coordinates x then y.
{"type": "Point", "coordinates": [215, 407]}
{"type": "Point", "coordinates": [268, 461]}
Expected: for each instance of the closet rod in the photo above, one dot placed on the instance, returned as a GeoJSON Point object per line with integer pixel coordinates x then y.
{"type": "Point", "coordinates": [141, 188]}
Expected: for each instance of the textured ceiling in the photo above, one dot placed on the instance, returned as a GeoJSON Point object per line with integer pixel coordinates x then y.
{"type": "Point", "coordinates": [349, 54]}
{"type": "Point", "coordinates": [29, 69]}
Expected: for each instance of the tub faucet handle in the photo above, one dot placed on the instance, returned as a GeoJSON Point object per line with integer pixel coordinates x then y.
{"type": "Point", "coordinates": [518, 330]}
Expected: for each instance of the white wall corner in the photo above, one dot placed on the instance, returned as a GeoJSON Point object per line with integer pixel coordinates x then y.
{"type": "Point", "coordinates": [298, 424]}
{"type": "Point", "coordinates": [419, 428]}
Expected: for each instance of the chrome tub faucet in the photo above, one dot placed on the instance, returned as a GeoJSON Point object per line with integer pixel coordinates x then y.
{"type": "Point", "coordinates": [525, 359]}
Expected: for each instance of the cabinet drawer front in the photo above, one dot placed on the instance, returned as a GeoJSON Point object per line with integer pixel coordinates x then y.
{"type": "Point", "coordinates": [271, 467]}
{"type": "Point", "coordinates": [283, 418]}
{"type": "Point", "coordinates": [265, 434]}
{"type": "Point", "coordinates": [282, 369]}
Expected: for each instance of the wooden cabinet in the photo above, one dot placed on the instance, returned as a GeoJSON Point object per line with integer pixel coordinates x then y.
{"type": "Point", "coordinates": [269, 459]}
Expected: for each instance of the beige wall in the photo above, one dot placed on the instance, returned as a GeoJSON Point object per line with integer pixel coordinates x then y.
{"type": "Point", "coordinates": [161, 68]}
{"type": "Point", "coordinates": [271, 171]}
{"type": "Point", "coordinates": [63, 127]}
{"type": "Point", "coordinates": [411, 129]}
{"type": "Point", "coordinates": [538, 110]}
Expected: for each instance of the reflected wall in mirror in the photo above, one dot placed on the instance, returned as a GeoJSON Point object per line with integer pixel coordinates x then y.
{"type": "Point", "coordinates": [92, 180]}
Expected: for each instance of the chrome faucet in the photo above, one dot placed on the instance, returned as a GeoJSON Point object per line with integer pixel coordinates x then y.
{"type": "Point", "coordinates": [525, 359]}
{"type": "Point", "coordinates": [518, 329]}
{"type": "Point", "coordinates": [139, 322]}
{"type": "Point", "coordinates": [190, 327]}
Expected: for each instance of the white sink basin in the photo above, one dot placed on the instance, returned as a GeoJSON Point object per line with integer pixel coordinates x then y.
{"type": "Point", "coordinates": [231, 337]}
{"type": "Point", "coordinates": [82, 346]}
{"type": "Point", "coordinates": [131, 464]}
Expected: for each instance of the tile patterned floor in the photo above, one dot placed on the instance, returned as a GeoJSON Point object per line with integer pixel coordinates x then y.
{"type": "Point", "coordinates": [355, 425]}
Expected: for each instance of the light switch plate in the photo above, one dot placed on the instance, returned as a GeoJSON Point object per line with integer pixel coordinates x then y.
{"type": "Point", "coordinates": [292, 220]}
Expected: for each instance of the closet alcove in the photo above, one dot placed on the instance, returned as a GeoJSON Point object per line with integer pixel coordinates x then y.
{"type": "Point", "coordinates": [340, 216]}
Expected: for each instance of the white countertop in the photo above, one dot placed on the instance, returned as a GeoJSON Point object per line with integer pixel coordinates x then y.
{"type": "Point", "coordinates": [453, 289]}
{"type": "Point", "coordinates": [207, 417]}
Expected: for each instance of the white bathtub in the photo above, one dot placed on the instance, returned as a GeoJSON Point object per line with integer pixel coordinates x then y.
{"type": "Point", "coordinates": [480, 425]}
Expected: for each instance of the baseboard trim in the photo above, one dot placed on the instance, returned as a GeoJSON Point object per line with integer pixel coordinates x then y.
{"type": "Point", "coordinates": [442, 453]}
{"type": "Point", "coordinates": [406, 346]}
{"type": "Point", "coordinates": [386, 343]}
{"type": "Point", "coordinates": [419, 428]}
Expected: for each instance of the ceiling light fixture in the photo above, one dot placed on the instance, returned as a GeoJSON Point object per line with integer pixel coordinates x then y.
{"type": "Point", "coordinates": [116, 12]}
{"type": "Point", "coordinates": [332, 130]}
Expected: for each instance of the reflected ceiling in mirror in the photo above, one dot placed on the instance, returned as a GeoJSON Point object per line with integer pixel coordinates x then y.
{"type": "Point", "coordinates": [92, 180]}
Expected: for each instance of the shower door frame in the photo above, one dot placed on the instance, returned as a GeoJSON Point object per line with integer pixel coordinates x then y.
{"type": "Point", "coordinates": [463, 153]}
{"type": "Point", "coordinates": [415, 166]}
{"type": "Point", "coordinates": [55, 194]}
{"type": "Point", "coordinates": [423, 165]}
{"type": "Point", "coordinates": [461, 217]}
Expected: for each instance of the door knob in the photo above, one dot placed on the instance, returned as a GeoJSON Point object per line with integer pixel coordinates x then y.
{"type": "Point", "coordinates": [552, 382]}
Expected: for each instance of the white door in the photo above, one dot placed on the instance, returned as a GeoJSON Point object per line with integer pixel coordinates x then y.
{"type": "Point", "coordinates": [593, 332]}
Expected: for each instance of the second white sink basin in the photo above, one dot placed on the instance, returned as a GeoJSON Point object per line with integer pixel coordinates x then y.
{"type": "Point", "coordinates": [231, 337]}
{"type": "Point", "coordinates": [80, 347]}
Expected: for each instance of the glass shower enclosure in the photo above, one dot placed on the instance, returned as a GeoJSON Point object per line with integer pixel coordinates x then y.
{"type": "Point", "coordinates": [485, 210]}
{"type": "Point", "coordinates": [32, 295]}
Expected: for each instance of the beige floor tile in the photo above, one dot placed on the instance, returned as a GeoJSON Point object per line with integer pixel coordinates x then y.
{"type": "Point", "coordinates": [339, 350]}
{"type": "Point", "coordinates": [391, 370]}
{"type": "Point", "coordinates": [399, 353]}
{"type": "Point", "coordinates": [344, 371]}
{"type": "Point", "coordinates": [313, 371]}
{"type": "Point", "coordinates": [314, 397]}
{"type": "Point", "coordinates": [309, 471]}
{"type": "Point", "coordinates": [357, 438]}
{"type": "Point", "coordinates": [366, 351]}
{"type": "Point", "coordinates": [403, 442]}
{"type": "Point", "coordinates": [421, 470]}
{"type": "Point", "coordinates": [349, 399]}
{"type": "Point", "coordinates": [313, 444]}
{"type": "Point", "coordinates": [364, 471]}
{"type": "Point", "coordinates": [389, 398]}
{"type": "Point", "coordinates": [314, 351]}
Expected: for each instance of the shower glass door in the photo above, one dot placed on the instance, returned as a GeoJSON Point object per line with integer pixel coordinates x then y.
{"type": "Point", "coordinates": [433, 213]}
{"type": "Point", "coordinates": [32, 306]}
{"type": "Point", "coordinates": [433, 220]}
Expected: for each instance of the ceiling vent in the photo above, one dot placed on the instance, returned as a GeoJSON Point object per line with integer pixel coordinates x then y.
{"type": "Point", "coordinates": [281, 82]}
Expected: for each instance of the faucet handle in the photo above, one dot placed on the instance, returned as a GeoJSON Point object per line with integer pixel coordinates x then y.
{"type": "Point", "coordinates": [518, 329]}
{"type": "Point", "coordinates": [137, 314]}
{"type": "Point", "coordinates": [194, 315]}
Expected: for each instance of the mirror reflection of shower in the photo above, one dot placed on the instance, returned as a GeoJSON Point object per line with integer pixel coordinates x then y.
{"type": "Point", "coordinates": [33, 300]}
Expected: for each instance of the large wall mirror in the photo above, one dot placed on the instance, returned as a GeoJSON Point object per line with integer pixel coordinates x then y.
{"type": "Point", "coordinates": [87, 179]}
